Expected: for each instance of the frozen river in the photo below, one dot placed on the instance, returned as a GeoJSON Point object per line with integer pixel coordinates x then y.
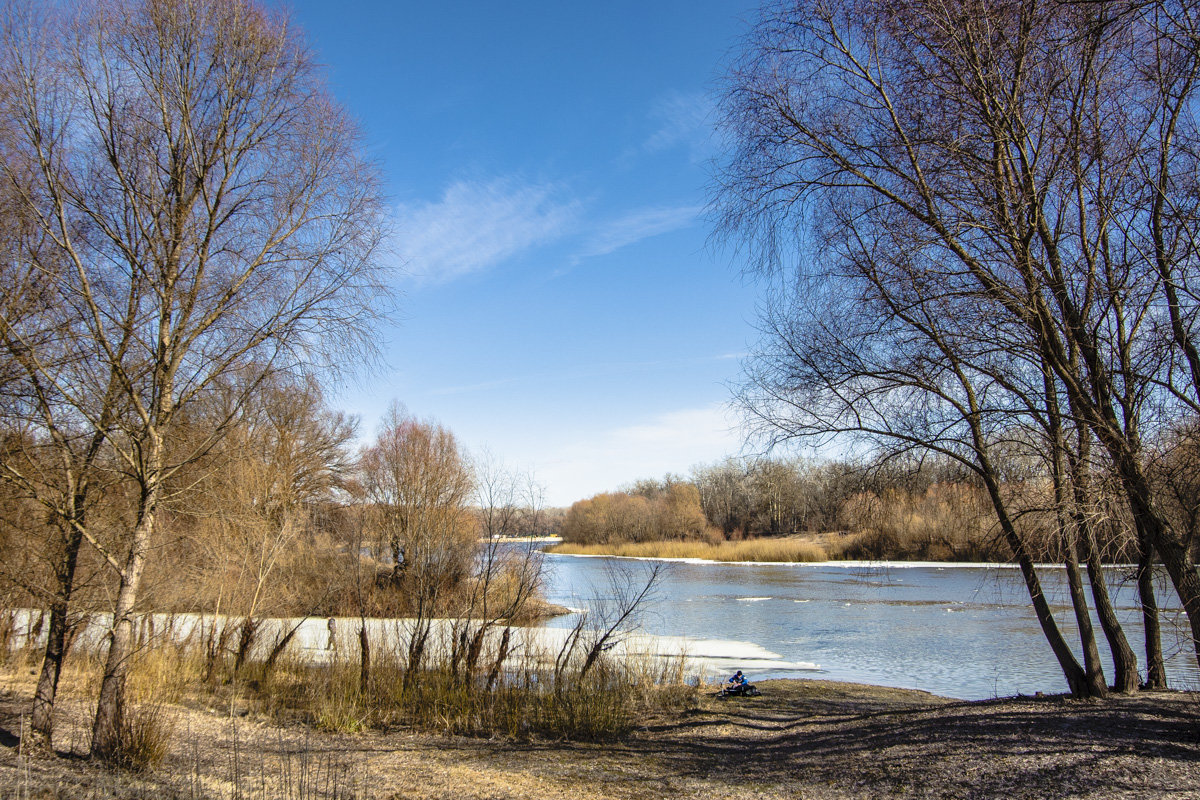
{"type": "Point", "coordinates": [965, 631]}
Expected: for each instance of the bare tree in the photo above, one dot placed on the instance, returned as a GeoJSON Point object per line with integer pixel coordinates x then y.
{"type": "Point", "coordinates": [204, 210]}
{"type": "Point", "coordinates": [419, 483]}
{"type": "Point", "coordinates": [616, 613]}
{"type": "Point", "coordinates": [53, 454]}
{"type": "Point", "coordinates": [507, 573]}
{"type": "Point", "coordinates": [252, 503]}
{"type": "Point", "coordinates": [1025, 166]}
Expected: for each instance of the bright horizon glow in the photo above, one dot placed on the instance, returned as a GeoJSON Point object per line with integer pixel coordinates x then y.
{"type": "Point", "coordinates": [560, 308]}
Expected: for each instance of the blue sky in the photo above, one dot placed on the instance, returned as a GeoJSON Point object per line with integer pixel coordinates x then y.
{"type": "Point", "coordinates": [547, 163]}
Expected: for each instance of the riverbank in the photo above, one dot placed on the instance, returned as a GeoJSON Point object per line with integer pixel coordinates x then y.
{"type": "Point", "coordinates": [779, 551]}
{"type": "Point", "coordinates": [835, 546]}
{"type": "Point", "coordinates": [812, 739]}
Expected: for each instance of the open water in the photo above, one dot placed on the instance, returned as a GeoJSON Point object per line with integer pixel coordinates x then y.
{"type": "Point", "coordinates": [965, 631]}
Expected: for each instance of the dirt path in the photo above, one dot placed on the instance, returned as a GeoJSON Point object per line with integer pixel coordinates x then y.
{"type": "Point", "coordinates": [801, 739]}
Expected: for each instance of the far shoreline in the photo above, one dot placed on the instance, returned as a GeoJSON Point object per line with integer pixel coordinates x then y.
{"type": "Point", "coordinates": [894, 562]}
{"type": "Point", "coordinates": [899, 564]}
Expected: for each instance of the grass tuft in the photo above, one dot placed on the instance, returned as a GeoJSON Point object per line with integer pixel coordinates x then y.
{"type": "Point", "coordinates": [144, 738]}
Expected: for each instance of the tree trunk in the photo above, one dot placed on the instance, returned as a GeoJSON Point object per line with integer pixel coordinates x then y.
{"type": "Point", "coordinates": [364, 660]}
{"type": "Point", "coordinates": [42, 723]}
{"type": "Point", "coordinates": [277, 650]}
{"type": "Point", "coordinates": [1125, 666]}
{"type": "Point", "coordinates": [247, 634]}
{"type": "Point", "coordinates": [476, 648]}
{"type": "Point", "coordinates": [110, 706]}
{"type": "Point", "coordinates": [215, 642]}
{"type": "Point", "coordinates": [1156, 671]}
{"type": "Point", "coordinates": [1093, 670]}
{"type": "Point", "coordinates": [1076, 678]}
{"type": "Point", "coordinates": [501, 656]}
{"type": "Point", "coordinates": [416, 650]}
{"type": "Point", "coordinates": [1187, 582]}
{"type": "Point", "coordinates": [1175, 554]}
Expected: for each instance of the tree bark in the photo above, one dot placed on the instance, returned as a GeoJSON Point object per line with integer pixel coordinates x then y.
{"type": "Point", "coordinates": [42, 722]}
{"type": "Point", "coordinates": [364, 660]}
{"type": "Point", "coordinates": [110, 706]}
{"type": "Point", "coordinates": [1125, 667]}
{"type": "Point", "coordinates": [1093, 669]}
{"type": "Point", "coordinates": [1156, 671]}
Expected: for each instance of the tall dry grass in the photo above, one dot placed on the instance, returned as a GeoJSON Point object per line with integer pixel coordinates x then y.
{"type": "Point", "coordinates": [522, 695]}
{"type": "Point", "coordinates": [756, 550]}
{"type": "Point", "coordinates": [527, 698]}
{"type": "Point", "coordinates": [947, 522]}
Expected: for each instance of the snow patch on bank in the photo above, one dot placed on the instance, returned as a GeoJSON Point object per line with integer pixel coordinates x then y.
{"type": "Point", "coordinates": [320, 640]}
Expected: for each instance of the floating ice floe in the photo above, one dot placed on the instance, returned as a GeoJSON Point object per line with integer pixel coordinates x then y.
{"type": "Point", "coordinates": [715, 655]}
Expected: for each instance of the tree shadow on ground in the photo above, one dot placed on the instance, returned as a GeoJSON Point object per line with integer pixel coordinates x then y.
{"type": "Point", "coordinates": [947, 750]}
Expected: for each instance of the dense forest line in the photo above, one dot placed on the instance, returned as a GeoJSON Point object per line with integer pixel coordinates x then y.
{"type": "Point", "coordinates": [288, 516]}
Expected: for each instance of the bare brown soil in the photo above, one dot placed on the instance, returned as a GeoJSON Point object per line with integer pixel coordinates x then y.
{"type": "Point", "coordinates": [800, 739]}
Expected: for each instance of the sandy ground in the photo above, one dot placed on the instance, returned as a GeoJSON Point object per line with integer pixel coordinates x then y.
{"type": "Point", "coordinates": [800, 739]}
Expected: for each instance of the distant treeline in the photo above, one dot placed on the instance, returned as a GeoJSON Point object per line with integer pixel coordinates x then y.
{"type": "Point", "coordinates": [932, 509]}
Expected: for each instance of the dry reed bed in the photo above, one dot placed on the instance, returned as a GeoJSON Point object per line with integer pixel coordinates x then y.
{"type": "Point", "coordinates": [756, 550]}
{"type": "Point", "coordinates": [507, 688]}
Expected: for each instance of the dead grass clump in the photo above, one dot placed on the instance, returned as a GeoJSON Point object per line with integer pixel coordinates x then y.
{"type": "Point", "coordinates": [163, 674]}
{"type": "Point", "coordinates": [144, 737]}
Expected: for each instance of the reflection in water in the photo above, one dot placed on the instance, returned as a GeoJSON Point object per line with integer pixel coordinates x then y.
{"type": "Point", "coordinates": [959, 631]}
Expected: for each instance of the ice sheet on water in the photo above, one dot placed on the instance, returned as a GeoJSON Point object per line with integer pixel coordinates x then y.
{"type": "Point", "coordinates": [717, 655]}
{"type": "Point", "coordinates": [312, 639]}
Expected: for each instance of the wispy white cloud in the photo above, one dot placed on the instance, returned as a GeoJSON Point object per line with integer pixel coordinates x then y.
{"type": "Point", "coordinates": [478, 225]}
{"type": "Point", "coordinates": [682, 120]}
{"type": "Point", "coordinates": [638, 225]}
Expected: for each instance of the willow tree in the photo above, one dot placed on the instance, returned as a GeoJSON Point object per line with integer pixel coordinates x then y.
{"type": "Point", "coordinates": [1024, 172]}
{"type": "Point", "coordinates": [201, 207]}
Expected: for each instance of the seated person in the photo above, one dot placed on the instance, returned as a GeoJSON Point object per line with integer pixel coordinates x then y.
{"type": "Point", "coordinates": [737, 681]}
